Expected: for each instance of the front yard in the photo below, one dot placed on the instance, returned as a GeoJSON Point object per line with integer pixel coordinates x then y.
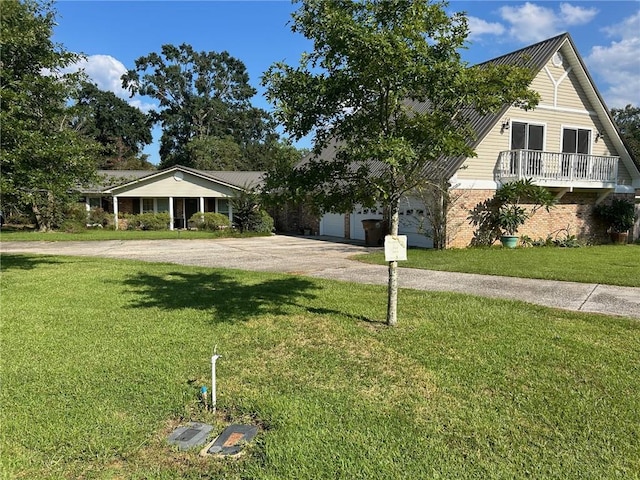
{"type": "Point", "coordinates": [101, 359]}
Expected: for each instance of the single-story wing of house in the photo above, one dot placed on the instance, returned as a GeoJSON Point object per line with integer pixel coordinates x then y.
{"type": "Point", "coordinates": [179, 191]}
{"type": "Point", "coordinates": [569, 144]}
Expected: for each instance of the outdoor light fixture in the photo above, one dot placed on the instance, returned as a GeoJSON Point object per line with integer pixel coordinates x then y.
{"type": "Point", "coordinates": [506, 123]}
{"type": "Point", "coordinates": [599, 135]}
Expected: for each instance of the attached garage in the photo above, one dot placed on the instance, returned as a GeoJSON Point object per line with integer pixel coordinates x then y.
{"type": "Point", "coordinates": [333, 224]}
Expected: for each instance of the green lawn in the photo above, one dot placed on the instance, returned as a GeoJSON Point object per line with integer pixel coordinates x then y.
{"type": "Point", "coordinates": [606, 264]}
{"type": "Point", "coordinates": [20, 235]}
{"type": "Point", "coordinates": [101, 359]}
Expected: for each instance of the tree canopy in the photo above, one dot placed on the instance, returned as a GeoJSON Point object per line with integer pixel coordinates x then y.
{"type": "Point", "coordinates": [385, 94]}
{"type": "Point", "coordinates": [121, 129]}
{"type": "Point", "coordinates": [44, 160]}
{"type": "Point", "coordinates": [628, 121]}
{"type": "Point", "coordinates": [205, 109]}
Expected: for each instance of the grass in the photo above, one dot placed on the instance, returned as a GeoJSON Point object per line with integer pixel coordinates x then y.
{"type": "Point", "coordinates": [22, 235]}
{"type": "Point", "coordinates": [605, 264]}
{"type": "Point", "coordinates": [101, 359]}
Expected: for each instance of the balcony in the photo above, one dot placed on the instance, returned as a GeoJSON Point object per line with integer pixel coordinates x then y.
{"type": "Point", "coordinates": [558, 169]}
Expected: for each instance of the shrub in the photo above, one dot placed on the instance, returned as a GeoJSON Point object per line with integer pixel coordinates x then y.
{"type": "Point", "coordinates": [264, 223]}
{"type": "Point", "coordinates": [249, 216]}
{"type": "Point", "coordinates": [98, 217]}
{"type": "Point", "coordinates": [73, 219]}
{"type": "Point", "coordinates": [148, 221]}
{"type": "Point", "coordinates": [210, 221]}
{"type": "Point", "coordinates": [620, 214]}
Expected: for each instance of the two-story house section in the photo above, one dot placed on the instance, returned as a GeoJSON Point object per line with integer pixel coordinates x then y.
{"type": "Point", "coordinates": [568, 143]}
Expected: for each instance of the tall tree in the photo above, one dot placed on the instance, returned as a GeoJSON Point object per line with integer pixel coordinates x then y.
{"type": "Point", "coordinates": [373, 62]}
{"type": "Point", "coordinates": [628, 121]}
{"type": "Point", "coordinates": [43, 158]}
{"type": "Point", "coordinates": [204, 105]}
{"type": "Point", "coordinates": [120, 129]}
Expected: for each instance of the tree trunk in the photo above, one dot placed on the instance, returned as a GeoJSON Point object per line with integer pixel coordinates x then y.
{"type": "Point", "coordinates": [392, 290]}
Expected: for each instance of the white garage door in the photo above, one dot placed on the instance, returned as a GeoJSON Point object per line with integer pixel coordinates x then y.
{"type": "Point", "coordinates": [332, 225]}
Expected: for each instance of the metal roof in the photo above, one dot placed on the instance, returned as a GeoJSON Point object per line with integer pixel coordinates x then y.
{"type": "Point", "coordinates": [114, 179]}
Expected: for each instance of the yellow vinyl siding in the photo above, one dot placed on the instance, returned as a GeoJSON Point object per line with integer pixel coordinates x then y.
{"type": "Point", "coordinates": [544, 86]}
{"type": "Point", "coordinates": [571, 110]}
{"type": "Point", "coordinates": [624, 177]}
{"type": "Point", "coordinates": [570, 95]}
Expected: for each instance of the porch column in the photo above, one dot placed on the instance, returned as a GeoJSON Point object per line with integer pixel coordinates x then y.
{"type": "Point", "coordinates": [201, 205]}
{"type": "Point", "coordinates": [230, 211]}
{"type": "Point", "coordinates": [115, 211]}
{"type": "Point", "coordinates": [170, 213]}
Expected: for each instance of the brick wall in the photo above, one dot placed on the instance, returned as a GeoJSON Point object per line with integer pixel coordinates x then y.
{"type": "Point", "coordinates": [573, 212]}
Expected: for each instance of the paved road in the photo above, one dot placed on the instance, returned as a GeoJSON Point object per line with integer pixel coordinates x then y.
{"type": "Point", "coordinates": [322, 258]}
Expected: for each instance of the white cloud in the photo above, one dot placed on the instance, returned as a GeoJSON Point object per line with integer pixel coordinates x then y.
{"type": "Point", "coordinates": [530, 23]}
{"type": "Point", "coordinates": [572, 15]}
{"type": "Point", "coordinates": [478, 27]}
{"type": "Point", "coordinates": [106, 72]}
{"type": "Point", "coordinates": [617, 63]}
{"type": "Point", "coordinates": [146, 107]}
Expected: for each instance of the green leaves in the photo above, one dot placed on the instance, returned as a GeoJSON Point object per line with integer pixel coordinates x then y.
{"type": "Point", "coordinates": [384, 94]}
{"type": "Point", "coordinates": [43, 159]}
{"type": "Point", "coordinates": [205, 108]}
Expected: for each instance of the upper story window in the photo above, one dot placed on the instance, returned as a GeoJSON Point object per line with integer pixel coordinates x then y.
{"type": "Point", "coordinates": [527, 136]}
{"type": "Point", "coordinates": [576, 140]}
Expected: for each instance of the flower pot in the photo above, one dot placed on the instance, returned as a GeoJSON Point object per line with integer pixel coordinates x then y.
{"type": "Point", "coordinates": [619, 238]}
{"type": "Point", "coordinates": [509, 241]}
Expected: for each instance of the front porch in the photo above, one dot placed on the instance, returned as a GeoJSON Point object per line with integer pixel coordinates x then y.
{"type": "Point", "coordinates": [180, 209]}
{"type": "Point", "coordinates": [553, 169]}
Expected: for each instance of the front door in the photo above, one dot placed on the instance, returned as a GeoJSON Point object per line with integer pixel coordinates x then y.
{"type": "Point", "coordinates": [190, 208]}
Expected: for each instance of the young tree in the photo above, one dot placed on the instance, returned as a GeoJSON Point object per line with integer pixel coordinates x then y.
{"type": "Point", "coordinates": [384, 87]}
{"type": "Point", "coordinates": [205, 105]}
{"type": "Point", "coordinates": [43, 159]}
{"type": "Point", "coordinates": [121, 130]}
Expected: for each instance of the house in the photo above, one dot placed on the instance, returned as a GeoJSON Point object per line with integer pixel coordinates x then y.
{"type": "Point", "coordinates": [178, 190]}
{"type": "Point", "coordinates": [568, 144]}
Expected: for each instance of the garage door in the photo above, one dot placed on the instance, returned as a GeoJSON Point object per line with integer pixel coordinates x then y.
{"type": "Point", "coordinates": [332, 225]}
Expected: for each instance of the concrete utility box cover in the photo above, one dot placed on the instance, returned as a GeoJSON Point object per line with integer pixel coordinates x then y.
{"type": "Point", "coordinates": [191, 435]}
{"type": "Point", "coordinates": [232, 440]}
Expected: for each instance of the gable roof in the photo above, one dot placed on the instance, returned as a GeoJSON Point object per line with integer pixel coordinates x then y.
{"type": "Point", "coordinates": [114, 180]}
{"type": "Point", "coordinates": [536, 56]}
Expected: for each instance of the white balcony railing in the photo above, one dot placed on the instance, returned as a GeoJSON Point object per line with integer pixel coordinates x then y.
{"type": "Point", "coordinates": [560, 168]}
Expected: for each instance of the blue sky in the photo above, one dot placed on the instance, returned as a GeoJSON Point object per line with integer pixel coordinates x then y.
{"type": "Point", "coordinates": [113, 34]}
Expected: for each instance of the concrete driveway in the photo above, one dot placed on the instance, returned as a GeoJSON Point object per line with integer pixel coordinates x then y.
{"type": "Point", "coordinates": [325, 258]}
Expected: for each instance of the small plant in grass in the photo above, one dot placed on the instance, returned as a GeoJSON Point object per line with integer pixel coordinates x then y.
{"type": "Point", "coordinates": [210, 221]}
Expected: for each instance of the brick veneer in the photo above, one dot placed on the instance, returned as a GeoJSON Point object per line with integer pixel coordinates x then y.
{"type": "Point", "coordinates": [574, 212]}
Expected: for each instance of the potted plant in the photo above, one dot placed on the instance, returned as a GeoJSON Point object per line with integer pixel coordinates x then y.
{"type": "Point", "coordinates": [620, 216]}
{"type": "Point", "coordinates": [511, 215]}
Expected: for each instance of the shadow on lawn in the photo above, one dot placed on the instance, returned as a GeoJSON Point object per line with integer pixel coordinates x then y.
{"type": "Point", "coordinates": [13, 261]}
{"type": "Point", "coordinates": [230, 298]}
